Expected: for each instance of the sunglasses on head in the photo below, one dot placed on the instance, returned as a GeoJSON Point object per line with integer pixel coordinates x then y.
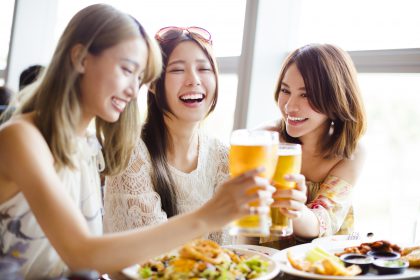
{"type": "Point", "coordinates": [172, 32]}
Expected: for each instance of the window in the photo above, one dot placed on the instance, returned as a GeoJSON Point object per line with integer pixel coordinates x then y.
{"type": "Point", "coordinates": [6, 19]}
{"type": "Point", "coordinates": [388, 186]}
{"type": "Point", "coordinates": [380, 37]}
{"type": "Point", "coordinates": [359, 24]}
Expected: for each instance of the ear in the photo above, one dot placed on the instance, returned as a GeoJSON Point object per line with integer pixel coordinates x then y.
{"type": "Point", "coordinates": [78, 57]}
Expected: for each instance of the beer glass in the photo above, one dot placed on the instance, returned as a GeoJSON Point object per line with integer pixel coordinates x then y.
{"type": "Point", "coordinates": [289, 162]}
{"type": "Point", "coordinates": [251, 149]}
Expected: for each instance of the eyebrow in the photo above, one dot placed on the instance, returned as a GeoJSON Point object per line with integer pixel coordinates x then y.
{"type": "Point", "coordinates": [181, 61]}
{"type": "Point", "coordinates": [284, 84]}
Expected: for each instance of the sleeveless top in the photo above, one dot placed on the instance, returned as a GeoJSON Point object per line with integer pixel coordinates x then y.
{"type": "Point", "coordinates": [131, 201]}
{"type": "Point", "coordinates": [21, 237]}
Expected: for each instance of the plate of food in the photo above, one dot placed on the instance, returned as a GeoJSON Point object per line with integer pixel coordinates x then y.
{"type": "Point", "coordinates": [205, 259]}
{"type": "Point", "coordinates": [325, 261]}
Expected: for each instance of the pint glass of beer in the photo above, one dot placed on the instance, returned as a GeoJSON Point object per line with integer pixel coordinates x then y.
{"type": "Point", "coordinates": [289, 162]}
{"type": "Point", "coordinates": [251, 149]}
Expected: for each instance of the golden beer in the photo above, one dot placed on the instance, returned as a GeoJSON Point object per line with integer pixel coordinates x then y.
{"type": "Point", "coordinates": [289, 162]}
{"type": "Point", "coordinates": [246, 154]}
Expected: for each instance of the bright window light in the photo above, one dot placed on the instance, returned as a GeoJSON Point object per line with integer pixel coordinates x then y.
{"type": "Point", "coordinates": [360, 24]}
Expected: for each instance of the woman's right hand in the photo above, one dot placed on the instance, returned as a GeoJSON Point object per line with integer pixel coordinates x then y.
{"type": "Point", "coordinates": [232, 198]}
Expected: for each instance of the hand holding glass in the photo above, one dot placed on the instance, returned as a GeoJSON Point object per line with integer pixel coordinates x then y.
{"type": "Point", "coordinates": [289, 162]}
{"type": "Point", "coordinates": [251, 149]}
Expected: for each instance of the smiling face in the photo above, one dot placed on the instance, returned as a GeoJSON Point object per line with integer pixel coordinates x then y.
{"type": "Point", "coordinates": [111, 79]}
{"type": "Point", "coordinates": [300, 118]}
{"type": "Point", "coordinates": [190, 82]}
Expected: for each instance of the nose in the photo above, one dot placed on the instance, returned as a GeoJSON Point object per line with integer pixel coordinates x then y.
{"type": "Point", "coordinates": [133, 88]}
{"type": "Point", "coordinates": [292, 105]}
{"type": "Point", "coordinates": [192, 79]}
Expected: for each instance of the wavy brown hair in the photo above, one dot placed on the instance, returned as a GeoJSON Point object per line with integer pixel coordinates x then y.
{"type": "Point", "coordinates": [155, 133]}
{"type": "Point", "coordinates": [56, 98]}
{"type": "Point", "coordinates": [331, 85]}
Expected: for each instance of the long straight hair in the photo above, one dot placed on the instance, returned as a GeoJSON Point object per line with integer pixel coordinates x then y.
{"type": "Point", "coordinates": [331, 84]}
{"type": "Point", "coordinates": [56, 98]}
{"type": "Point", "coordinates": [155, 133]}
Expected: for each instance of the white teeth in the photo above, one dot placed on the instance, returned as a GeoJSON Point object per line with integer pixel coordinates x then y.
{"type": "Point", "coordinates": [296, 119]}
{"type": "Point", "coordinates": [120, 104]}
{"type": "Point", "coordinates": [190, 96]}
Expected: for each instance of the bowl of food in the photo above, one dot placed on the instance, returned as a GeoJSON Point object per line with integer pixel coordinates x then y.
{"type": "Point", "coordinates": [363, 261]}
{"type": "Point", "coordinates": [383, 255]}
{"type": "Point", "coordinates": [390, 266]}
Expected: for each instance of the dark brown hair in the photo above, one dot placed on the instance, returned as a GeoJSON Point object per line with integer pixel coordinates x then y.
{"type": "Point", "coordinates": [331, 85]}
{"type": "Point", "coordinates": [155, 133]}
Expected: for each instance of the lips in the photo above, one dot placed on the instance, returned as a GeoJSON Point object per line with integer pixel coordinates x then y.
{"type": "Point", "coordinates": [119, 104]}
{"type": "Point", "coordinates": [192, 97]}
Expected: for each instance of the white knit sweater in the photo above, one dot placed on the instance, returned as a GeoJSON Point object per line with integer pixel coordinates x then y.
{"type": "Point", "coordinates": [130, 199]}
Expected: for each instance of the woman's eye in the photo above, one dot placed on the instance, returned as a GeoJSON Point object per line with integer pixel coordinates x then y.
{"type": "Point", "coordinates": [284, 91]}
{"type": "Point", "coordinates": [205, 69]}
{"type": "Point", "coordinates": [176, 70]}
{"type": "Point", "coordinates": [127, 70]}
{"type": "Point", "coordinates": [304, 95]}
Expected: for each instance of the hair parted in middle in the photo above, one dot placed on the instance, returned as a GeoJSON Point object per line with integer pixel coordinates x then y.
{"type": "Point", "coordinates": [97, 28]}
{"type": "Point", "coordinates": [332, 89]}
{"type": "Point", "coordinates": [155, 133]}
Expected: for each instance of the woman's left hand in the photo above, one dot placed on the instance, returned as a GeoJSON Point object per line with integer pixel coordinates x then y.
{"type": "Point", "coordinates": [291, 202]}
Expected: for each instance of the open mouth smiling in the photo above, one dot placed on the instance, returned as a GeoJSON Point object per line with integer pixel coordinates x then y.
{"type": "Point", "coordinates": [295, 120]}
{"type": "Point", "coordinates": [192, 97]}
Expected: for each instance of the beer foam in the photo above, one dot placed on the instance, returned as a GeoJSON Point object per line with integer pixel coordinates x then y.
{"type": "Point", "coordinates": [253, 138]}
{"type": "Point", "coordinates": [288, 149]}
{"type": "Point", "coordinates": [289, 152]}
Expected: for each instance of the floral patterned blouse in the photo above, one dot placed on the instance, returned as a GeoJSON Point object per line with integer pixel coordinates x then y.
{"type": "Point", "coordinates": [21, 237]}
{"type": "Point", "coordinates": [331, 203]}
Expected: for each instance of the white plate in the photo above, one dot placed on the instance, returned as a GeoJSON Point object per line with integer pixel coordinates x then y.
{"type": "Point", "coordinates": [344, 239]}
{"type": "Point", "coordinates": [337, 239]}
{"type": "Point", "coordinates": [272, 271]}
{"type": "Point", "coordinates": [299, 252]}
{"type": "Point", "coordinates": [261, 249]}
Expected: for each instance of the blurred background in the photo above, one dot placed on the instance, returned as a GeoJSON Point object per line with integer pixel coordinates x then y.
{"type": "Point", "coordinates": [251, 38]}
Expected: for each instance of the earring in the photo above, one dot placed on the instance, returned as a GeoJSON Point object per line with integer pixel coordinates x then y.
{"type": "Point", "coordinates": [331, 130]}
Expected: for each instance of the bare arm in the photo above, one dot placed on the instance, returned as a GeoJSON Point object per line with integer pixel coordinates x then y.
{"type": "Point", "coordinates": [53, 207]}
{"type": "Point", "coordinates": [307, 224]}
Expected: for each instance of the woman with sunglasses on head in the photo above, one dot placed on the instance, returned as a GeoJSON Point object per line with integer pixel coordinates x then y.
{"type": "Point", "coordinates": [322, 109]}
{"type": "Point", "coordinates": [50, 203]}
{"type": "Point", "coordinates": [175, 167]}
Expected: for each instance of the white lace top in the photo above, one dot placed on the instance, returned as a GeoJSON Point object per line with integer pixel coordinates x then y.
{"type": "Point", "coordinates": [21, 237]}
{"type": "Point", "coordinates": [131, 201]}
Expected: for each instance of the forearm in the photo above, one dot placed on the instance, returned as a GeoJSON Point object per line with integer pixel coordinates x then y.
{"type": "Point", "coordinates": [307, 225]}
{"type": "Point", "coordinates": [113, 252]}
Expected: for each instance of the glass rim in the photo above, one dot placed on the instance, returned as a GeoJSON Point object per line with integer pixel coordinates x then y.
{"type": "Point", "coordinates": [251, 137]}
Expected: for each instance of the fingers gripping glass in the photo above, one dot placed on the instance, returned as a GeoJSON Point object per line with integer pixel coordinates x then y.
{"type": "Point", "coordinates": [173, 32]}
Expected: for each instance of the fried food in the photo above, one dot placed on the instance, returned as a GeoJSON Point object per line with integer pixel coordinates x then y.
{"type": "Point", "coordinates": [325, 267]}
{"type": "Point", "coordinates": [364, 248]}
{"type": "Point", "coordinates": [204, 250]}
{"type": "Point", "coordinates": [204, 259]}
{"type": "Point", "coordinates": [412, 255]}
